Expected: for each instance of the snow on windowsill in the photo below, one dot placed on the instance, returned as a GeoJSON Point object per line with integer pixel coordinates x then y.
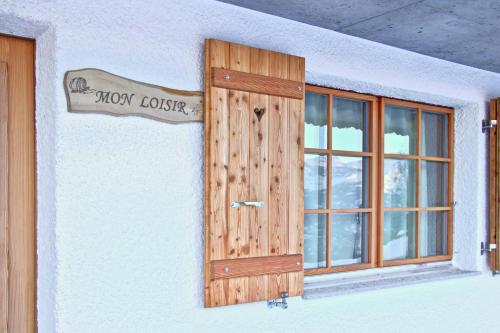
{"type": "Point", "coordinates": [379, 278]}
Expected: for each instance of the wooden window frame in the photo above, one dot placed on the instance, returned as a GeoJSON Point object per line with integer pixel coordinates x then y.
{"type": "Point", "coordinates": [376, 155]}
{"type": "Point", "coordinates": [371, 153]}
{"type": "Point", "coordinates": [420, 107]}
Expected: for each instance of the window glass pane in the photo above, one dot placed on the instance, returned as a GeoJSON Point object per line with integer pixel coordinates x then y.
{"type": "Point", "coordinates": [316, 121]}
{"type": "Point", "coordinates": [399, 183]}
{"type": "Point", "coordinates": [399, 235]}
{"type": "Point", "coordinates": [349, 182]}
{"type": "Point", "coordinates": [315, 181]}
{"type": "Point", "coordinates": [434, 134]}
{"type": "Point", "coordinates": [350, 125]}
{"type": "Point", "coordinates": [349, 243]}
{"type": "Point", "coordinates": [314, 240]}
{"type": "Point", "coordinates": [432, 234]}
{"type": "Point", "coordinates": [400, 130]}
{"type": "Point", "coordinates": [433, 184]}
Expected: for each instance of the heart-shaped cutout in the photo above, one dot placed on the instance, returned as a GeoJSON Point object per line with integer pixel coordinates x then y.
{"type": "Point", "coordinates": [259, 112]}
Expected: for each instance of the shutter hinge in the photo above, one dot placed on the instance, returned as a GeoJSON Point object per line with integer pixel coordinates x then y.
{"type": "Point", "coordinates": [490, 248]}
{"type": "Point", "coordinates": [487, 124]}
{"type": "Point", "coordinates": [277, 303]}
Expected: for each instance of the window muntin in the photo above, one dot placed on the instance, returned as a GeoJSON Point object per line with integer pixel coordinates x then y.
{"type": "Point", "coordinates": [349, 173]}
{"type": "Point", "coordinates": [385, 184]}
{"type": "Point", "coordinates": [417, 176]}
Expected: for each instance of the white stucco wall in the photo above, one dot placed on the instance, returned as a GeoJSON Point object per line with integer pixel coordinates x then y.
{"type": "Point", "coordinates": [120, 199]}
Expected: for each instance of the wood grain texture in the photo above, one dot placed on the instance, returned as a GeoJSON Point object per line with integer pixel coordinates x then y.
{"type": "Point", "coordinates": [250, 160]}
{"type": "Point", "coordinates": [238, 227]}
{"type": "Point", "coordinates": [19, 56]}
{"type": "Point", "coordinates": [451, 182]}
{"type": "Point", "coordinates": [495, 255]}
{"type": "Point", "coordinates": [374, 182]}
{"type": "Point", "coordinates": [231, 268]}
{"type": "Point", "coordinates": [421, 260]}
{"type": "Point", "coordinates": [262, 84]}
{"type": "Point", "coordinates": [238, 176]}
{"type": "Point", "coordinates": [296, 175]}
{"type": "Point", "coordinates": [418, 183]}
{"type": "Point", "coordinates": [416, 157]}
{"type": "Point", "coordinates": [4, 196]}
{"type": "Point", "coordinates": [380, 164]}
{"type": "Point", "coordinates": [493, 183]}
{"type": "Point", "coordinates": [259, 174]}
{"type": "Point", "coordinates": [217, 113]}
{"type": "Point", "coordinates": [278, 173]}
{"type": "Point", "coordinates": [337, 269]}
{"type": "Point", "coordinates": [409, 104]}
{"type": "Point", "coordinates": [207, 181]}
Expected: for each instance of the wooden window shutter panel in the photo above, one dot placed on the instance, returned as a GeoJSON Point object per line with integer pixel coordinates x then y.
{"type": "Point", "coordinates": [494, 186]}
{"type": "Point", "coordinates": [254, 115]}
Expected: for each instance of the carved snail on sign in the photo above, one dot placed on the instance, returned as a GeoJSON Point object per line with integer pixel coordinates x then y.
{"type": "Point", "coordinates": [79, 85]}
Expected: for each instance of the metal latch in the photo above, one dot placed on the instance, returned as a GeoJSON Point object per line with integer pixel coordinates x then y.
{"type": "Point", "coordinates": [276, 303]}
{"type": "Point", "coordinates": [487, 124]}
{"type": "Point", "coordinates": [491, 247]}
{"type": "Point", "coordinates": [236, 204]}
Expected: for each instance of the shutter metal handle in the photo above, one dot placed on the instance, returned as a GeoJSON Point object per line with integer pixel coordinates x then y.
{"type": "Point", "coordinates": [236, 204]}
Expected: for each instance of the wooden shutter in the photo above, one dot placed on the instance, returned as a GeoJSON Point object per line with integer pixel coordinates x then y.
{"type": "Point", "coordinates": [494, 185]}
{"type": "Point", "coordinates": [254, 115]}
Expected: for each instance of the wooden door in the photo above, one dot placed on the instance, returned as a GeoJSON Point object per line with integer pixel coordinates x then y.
{"type": "Point", "coordinates": [494, 187]}
{"type": "Point", "coordinates": [254, 115]}
{"type": "Point", "coordinates": [17, 186]}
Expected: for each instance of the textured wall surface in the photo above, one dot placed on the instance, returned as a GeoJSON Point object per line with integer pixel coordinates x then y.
{"type": "Point", "coordinates": [120, 199]}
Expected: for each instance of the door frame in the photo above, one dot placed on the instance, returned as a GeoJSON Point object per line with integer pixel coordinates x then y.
{"type": "Point", "coordinates": [18, 221]}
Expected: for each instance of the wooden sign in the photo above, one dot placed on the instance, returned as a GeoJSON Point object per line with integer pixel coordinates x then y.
{"type": "Point", "coordinates": [94, 90]}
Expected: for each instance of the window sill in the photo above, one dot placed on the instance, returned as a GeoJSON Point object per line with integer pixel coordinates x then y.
{"type": "Point", "coordinates": [375, 279]}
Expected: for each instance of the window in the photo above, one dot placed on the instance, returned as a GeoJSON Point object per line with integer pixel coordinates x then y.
{"type": "Point", "coordinates": [377, 181]}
